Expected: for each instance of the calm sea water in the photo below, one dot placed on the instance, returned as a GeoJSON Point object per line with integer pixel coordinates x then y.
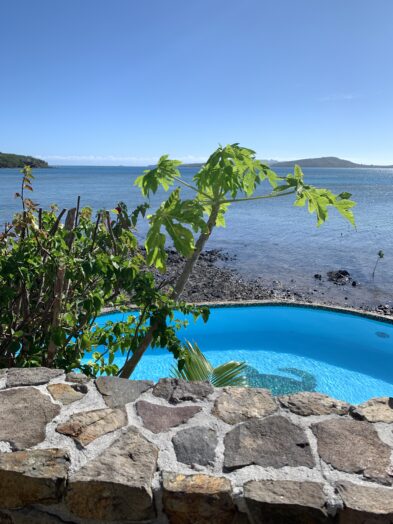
{"type": "Point", "coordinates": [271, 239]}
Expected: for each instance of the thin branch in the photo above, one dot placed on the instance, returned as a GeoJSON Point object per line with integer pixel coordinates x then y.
{"type": "Point", "coordinates": [263, 197]}
{"type": "Point", "coordinates": [190, 186]}
{"type": "Point", "coordinates": [56, 224]}
{"type": "Point", "coordinates": [78, 203]}
{"type": "Point", "coordinates": [95, 232]}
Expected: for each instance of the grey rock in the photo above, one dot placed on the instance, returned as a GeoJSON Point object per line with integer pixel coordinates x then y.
{"type": "Point", "coordinates": [120, 391]}
{"type": "Point", "coordinates": [374, 410]}
{"type": "Point", "coordinates": [198, 499]}
{"type": "Point", "coordinates": [24, 414]}
{"type": "Point", "coordinates": [77, 378]}
{"type": "Point", "coordinates": [86, 426]}
{"type": "Point", "coordinates": [64, 393]}
{"type": "Point", "coordinates": [116, 486]}
{"type": "Point", "coordinates": [354, 447]}
{"type": "Point", "coordinates": [286, 502]}
{"type": "Point", "coordinates": [31, 376]}
{"type": "Point", "coordinates": [274, 441]}
{"type": "Point", "coordinates": [158, 418]}
{"type": "Point", "coordinates": [365, 504]}
{"type": "Point", "coordinates": [175, 390]}
{"type": "Point", "coordinates": [240, 404]}
{"type": "Point", "coordinates": [311, 403]}
{"type": "Point", "coordinates": [35, 476]}
{"type": "Point", "coordinates": [195, 445]}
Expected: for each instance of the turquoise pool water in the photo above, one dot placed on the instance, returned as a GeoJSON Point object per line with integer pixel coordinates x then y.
{"type": "Point", "coordinates": [290, 349]}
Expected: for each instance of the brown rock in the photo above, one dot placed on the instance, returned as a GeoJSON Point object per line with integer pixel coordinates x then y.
{"type": "Point", "coordinates": [32, 477]}
{"type": "Point", "coordinates": [274, 441]}
{"type": "Point", "coordinates": [286, 501]}
{"type": "Point", "coordinates": [161, 418]}
{"type": "Point", "coordinates": [375, 410]}
{"type": "Point", "coordinates": [365, 504]}
{"type": "Point", "coordinates": [175, 390]}
{"type": "Point", "coordinates": [240, 404]}
{"type": "Point", "coordinates": [116, 486]}
{"type": "Point", "coordinates": [353, 447]}
{"type": "Point", "coordinates": [310, 403]}
{"type": "Point", "coordinates": [31, 376]}
{"type": "Point", "coordinates": [86, 426]}
{"type": "Point", "coordinates": [64, 393]}
{"type": "Point", "coordinates": [197, 499]}
{"type": "Point", "coordinates": [24, 414]}
{"type": "Point", "coordinates": [120, 391]}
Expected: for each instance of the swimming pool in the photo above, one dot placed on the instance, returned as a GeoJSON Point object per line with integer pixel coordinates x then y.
{"type": "Point", "coordinates": [290, 349]}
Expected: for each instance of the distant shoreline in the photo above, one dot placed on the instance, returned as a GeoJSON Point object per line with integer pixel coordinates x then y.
{"type": "Point", "coordinates": [321, 162]}
{"type": "Point", "coordinates": [12, 161]}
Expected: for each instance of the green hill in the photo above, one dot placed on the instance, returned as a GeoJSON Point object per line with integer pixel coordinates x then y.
{"type": "Point", "coordinates": [325, 161]}
{"type": "Point", "coordinates": [10, 160]}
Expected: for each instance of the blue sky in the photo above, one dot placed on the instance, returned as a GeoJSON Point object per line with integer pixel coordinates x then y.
{"type": "Point", "coordinates": [124, 81]}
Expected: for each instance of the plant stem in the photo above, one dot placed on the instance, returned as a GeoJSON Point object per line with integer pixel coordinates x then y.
{"type": "Point", "coordinates": [131, 364]}
{"type": "Point", "coordinates": [375, 267]}
{"type": "Point", "coordinates": [262, 197]}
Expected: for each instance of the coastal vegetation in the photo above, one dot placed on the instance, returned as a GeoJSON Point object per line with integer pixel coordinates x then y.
{"type": "Point", "coordinates": [19, 161]}
{"type": "Point", "coordinates": [60, 269]}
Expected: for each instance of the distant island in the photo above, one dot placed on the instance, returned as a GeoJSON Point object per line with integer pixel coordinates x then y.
{"type": "Point", "coordinates": [324, 161]}
{"type": "Point", "coordinates": [10, 160]}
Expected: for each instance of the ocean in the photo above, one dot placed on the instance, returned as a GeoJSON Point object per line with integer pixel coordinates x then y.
{"type": "Point", "coordinates": [270, 239]}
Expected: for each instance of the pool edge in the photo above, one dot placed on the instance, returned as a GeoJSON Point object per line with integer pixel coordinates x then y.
{"type": "Point", "coordinates": [244, 303]}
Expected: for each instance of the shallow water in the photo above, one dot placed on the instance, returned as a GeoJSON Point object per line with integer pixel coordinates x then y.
{"type": "Point", "coordinates": [291, 349]}
{"type": "Point", "coordinates": [272, 239]}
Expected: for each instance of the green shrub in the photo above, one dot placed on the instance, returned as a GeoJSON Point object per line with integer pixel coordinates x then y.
{"type": "Point", "coordinates": [59, 270]}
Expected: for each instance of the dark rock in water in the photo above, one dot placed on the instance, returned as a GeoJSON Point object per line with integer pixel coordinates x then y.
{"type": "Point", "coordinates": [280, 385]}
{"type": "Point", "coordinates": [339, 277]}
{"type": "Point", "coordinates": [318, 276]}
{"type": "Point", "coordinates": [354, 283]}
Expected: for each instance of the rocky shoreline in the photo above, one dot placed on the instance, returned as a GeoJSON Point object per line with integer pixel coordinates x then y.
{"type": "Point", "coordinates": [213, 280]}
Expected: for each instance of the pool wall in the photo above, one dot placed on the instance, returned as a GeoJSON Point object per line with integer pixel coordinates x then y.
{"type": "Point", "coordinates": [245, 303]}
{"type": "Point", "coordinates": [114, 450]}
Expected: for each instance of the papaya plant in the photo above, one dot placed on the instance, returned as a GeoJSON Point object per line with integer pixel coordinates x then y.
{"type": "Point", "coordinates": [231, 175]}
{"type": "Point", "coordinates": [59, 270]}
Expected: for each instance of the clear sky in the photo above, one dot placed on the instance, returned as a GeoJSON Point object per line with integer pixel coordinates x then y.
{"type": "Point", "coordinates": [124, 81]}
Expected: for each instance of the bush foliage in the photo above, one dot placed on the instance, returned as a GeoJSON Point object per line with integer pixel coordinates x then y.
{"type": "Point", "coordinates": [59, 270]}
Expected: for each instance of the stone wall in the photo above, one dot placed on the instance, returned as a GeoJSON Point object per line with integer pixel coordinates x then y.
{"type": "Point", "coordinates": [75, 450]}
